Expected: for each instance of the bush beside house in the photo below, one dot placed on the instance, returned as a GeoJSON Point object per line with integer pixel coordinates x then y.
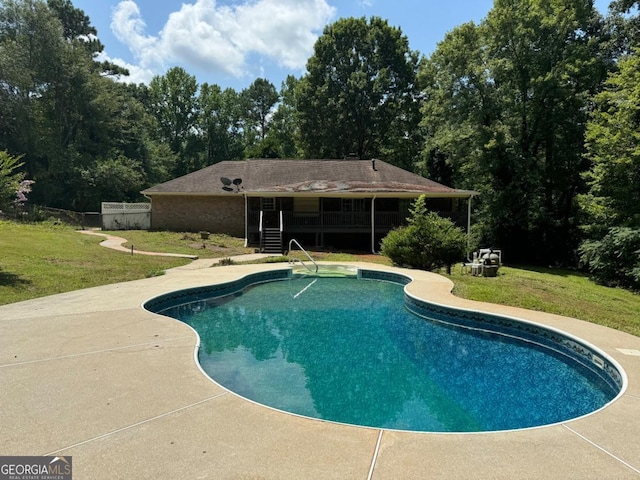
{"type": "Point", "coordinates": [428, 242]}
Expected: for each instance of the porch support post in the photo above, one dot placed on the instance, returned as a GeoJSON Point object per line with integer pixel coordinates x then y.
{"type": "Point", "coordinates": [373, 224]}
{"type": "Point", "coordinates": [469, 224]}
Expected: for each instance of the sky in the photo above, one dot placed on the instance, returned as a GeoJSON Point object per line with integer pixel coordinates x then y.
{"type": "Point", "coordinates": [233, 42]}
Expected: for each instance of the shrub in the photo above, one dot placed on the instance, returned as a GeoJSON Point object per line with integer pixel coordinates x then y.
{"type": "Point", "coordinates": [428, 242]}
{"type": "Point", "coordinates": [10, 180]}
{"type": "Point", "coordinates": [615, 260]}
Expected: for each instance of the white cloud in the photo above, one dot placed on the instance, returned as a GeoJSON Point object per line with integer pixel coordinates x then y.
{"type": "Point", "coordinates": [222, 39]}
{"type": "Point", "coordinates": [284, 30]}
{"type": "Point", "coordinates": [129, 27]}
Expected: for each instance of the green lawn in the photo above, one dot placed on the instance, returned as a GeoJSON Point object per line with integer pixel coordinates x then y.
{"type": "Point", "coordinates": [44, 259]}
{"type": "Point", "coordinates": [215, 246]}
{"type": "Point", "coordinates": [563, 292]}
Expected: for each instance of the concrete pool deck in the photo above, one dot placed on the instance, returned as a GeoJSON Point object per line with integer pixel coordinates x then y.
{"type": "Point", "coordinates": [91, 374]}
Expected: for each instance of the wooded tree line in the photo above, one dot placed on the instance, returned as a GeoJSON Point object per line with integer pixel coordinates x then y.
{"type": "Point", "coordinates": [537, 108]}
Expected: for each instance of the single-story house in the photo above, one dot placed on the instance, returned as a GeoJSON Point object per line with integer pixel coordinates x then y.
{"type": "Point", "coordinates": [333, 203]}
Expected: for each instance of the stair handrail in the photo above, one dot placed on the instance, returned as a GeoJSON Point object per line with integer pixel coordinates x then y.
{"type": "Point", "coordinates": [281, 223]}
{"type": "Point", "coordinates": [260, 230]}
{"type": "Point", "coordinates": [293, 260]}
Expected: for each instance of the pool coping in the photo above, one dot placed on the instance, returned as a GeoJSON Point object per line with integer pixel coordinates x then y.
{"type": "Point", "coordinates": [93, 375]}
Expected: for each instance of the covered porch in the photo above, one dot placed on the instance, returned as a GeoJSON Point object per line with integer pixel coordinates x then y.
{"type": "Point", "coordinates": [352, 222]}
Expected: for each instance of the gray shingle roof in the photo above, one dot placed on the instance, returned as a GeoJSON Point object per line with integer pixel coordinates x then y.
{"type": "Point", "coordinates": [304, 176]}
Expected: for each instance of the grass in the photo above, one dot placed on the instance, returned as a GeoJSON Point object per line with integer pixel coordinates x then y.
{"type": "Point", "coordinates": [47, 258]}
{"type": "Point", "coordinates": [43, 259]}
{"type": "Point", "coordinates": [562, 292]}
{"type": "Point", "coordinates": [215, 246]}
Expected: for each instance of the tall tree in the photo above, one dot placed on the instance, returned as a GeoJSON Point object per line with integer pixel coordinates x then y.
{"type": "Point", "coordinates": [117, 155]}
{"type": "Point", "coordinates": [359, 93]}
{"type": "Point", "coordinates": [624, 26]}
{"type": "Point", "coordinates": [32, 48]}
{"type": "Point", "coordinates": [70, 122]}
{"type": "Point", "coordinates": [611, 250]}
{"type": "Point", "coordinates": [613, 147]}
{"type": "Point", "coordinates": [260, 99]}
{"type": "Point", "coordinates": [284, 132]}
{"type": "Point", "coordinates": [221, 123]}
{"type": "Point", "coordinates": [174, 103]}
{"type": "Point", "coordinates": [76, 25]}
{"type": "Point", "coordinates": [506, 105]}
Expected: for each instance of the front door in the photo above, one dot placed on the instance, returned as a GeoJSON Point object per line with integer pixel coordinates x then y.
{"type": "Point", "coordinates": [270, 217]}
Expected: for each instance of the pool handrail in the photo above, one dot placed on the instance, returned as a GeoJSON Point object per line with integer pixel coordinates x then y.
{"type": "Point", "coordinates": [293, 260]}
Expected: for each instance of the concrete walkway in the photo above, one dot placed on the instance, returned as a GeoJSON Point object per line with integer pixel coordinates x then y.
{"type": "Point", "coordinates": [116, 243]}
{"type": "Point", "coordinates": [91, 374]}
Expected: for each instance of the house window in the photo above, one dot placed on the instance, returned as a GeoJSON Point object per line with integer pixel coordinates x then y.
{"type": "Point", "coordinates": [306, 204]}
{"type": "Point", "coordinates": [268, 204]}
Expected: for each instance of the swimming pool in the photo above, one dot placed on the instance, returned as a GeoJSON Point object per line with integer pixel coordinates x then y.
{"type": "Point", "coordinates": [360, 351]}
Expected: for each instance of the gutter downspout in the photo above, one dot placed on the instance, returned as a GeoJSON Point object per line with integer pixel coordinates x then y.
{"type": "Point", "coordinates": [469, 225]}
{"type": "Point", "coordinates": [373, 222]}
{"type": "Point", "coordinates": [246, 220]}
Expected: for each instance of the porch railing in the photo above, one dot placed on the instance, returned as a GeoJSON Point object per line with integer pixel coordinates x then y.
{"type": "Point", "coordinates": [337, 220]}
{"type": "Point", "coordinates": [341, 219]}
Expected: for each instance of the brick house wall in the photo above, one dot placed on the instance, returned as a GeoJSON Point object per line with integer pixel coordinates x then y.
{"type": "Point", "coordinates": [196, 213]}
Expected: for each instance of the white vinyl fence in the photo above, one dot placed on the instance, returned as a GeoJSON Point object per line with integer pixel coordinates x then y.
{"type": "Point", "coordinates": [126, 216]}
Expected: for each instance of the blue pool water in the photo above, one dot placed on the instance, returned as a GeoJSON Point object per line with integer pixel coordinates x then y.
{"type": "Point", "coordinates": [349, 350]}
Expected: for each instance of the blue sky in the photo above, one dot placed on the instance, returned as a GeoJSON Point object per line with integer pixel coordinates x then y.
{"type": "Point", "coordinates": [232, 42]}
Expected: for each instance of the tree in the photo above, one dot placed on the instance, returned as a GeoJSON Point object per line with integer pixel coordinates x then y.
{"type": "Point", "coordinates": [614, 260]}
{"type": "Point", "coordinates": [32, 50]}
{"type": "Point", "coordinates": [10, 179]}
{"type": "Point", "coordinates": [283, 132]}
{"type": "Point", "coordinates": [221, 122]}
{"type": "Point", "coordinates": [114, 177]}
{"type": "Point", "coordinates": [506, 103]}
{"type": "Point", "coordinates": [611, 207]}
{"type": "Point", "coordinates": [613, 148]}
{"type": "Point", "coordinates": [359, 94]}
{"type": "Point", "coordinates": [623, 24]}
{"type": "Point", "coordinates": [76, 25]}
{"type": "Point", "coordinates": [175, 106]}
{"type": "Point", "coordinates": [284, 126]}
{"type": "Point", "coordinates": [259, 100]}
{"type": "Point", "coordinates": [62, 113]}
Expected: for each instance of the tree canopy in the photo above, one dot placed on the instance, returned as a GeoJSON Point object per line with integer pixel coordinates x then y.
{"type": "Point", "coordinates": [505, 107]}
{"type": "Point", "coordinates": [613, 148]}
{"type": "Point", "coordinates": [611, 206]}
{"type": "Point", "coordinates": [359, 95]}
